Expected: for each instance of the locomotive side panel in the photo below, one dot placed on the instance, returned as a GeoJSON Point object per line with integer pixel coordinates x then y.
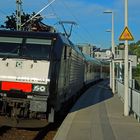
{"type": "Point", "coordinates": [71, 76]}
{"type": "Point", "coordinates": [92, 72]}
{"type": "Point", "coordinates": [63, 77]}
{"type": "Point", "coordinates": [76, 72]}
{"type": "Point", "coordinates": [105, 71]}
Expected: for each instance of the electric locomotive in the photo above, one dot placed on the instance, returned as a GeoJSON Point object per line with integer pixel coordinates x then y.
{"type": "Point", "coordinates": [39, 72]}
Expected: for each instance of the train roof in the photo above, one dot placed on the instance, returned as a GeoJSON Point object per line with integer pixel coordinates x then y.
{"type": "Point", "coordinates": [91, 59]}
{"type": "Point", "coordinates": [68, 42]}
{"type": "Point", "coordinates": [27, 34]}
{"type": "Point", "coordinates": [105, 62]}
{"type": "Point", "coordinates": [36, 35]}
{"type": "Point", "coordinates": [47, 35]}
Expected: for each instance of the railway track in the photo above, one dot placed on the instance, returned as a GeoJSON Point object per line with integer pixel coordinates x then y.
{"type": "Point", "coordinates": [17, 134]}
{"type": "Point", "coordinates": [46, 133]}
{"type": "Point", "coordinates": [36, 133]}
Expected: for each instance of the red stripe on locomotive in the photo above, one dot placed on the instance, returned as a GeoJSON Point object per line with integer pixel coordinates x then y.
{"type": "Point", "coordinates": [25, 87]}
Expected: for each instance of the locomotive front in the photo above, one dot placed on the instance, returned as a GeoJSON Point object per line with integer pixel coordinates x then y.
{"type": "Point", "coordinates": [24, 76]}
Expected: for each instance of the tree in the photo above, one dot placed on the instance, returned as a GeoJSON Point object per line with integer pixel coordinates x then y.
{"type": "Point", "coordinates": [33, 25]}
{"type": "Point", "coordinates": [134, 48]}
{"type": "Point", "coordinates": [10, 22]}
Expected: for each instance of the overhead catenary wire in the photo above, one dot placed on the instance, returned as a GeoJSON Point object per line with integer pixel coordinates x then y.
{"type": "Point", "coordinates": [59, 19]}
{"type": "Point", "coordinates": [76, 34]}
{"type": "Point", "coordinates": [57, 16]}
{"type": "Point", "coordinates": [39, 12]}
{"type": "Point", "coordinates": [1, 11]}
{"type": "Point", "coordinates": [3, 15]}
{"type": "Point", "coordinates": [83, 27]}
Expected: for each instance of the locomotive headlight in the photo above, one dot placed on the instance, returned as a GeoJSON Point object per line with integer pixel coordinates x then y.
{"type": "Point", "coordinates": [39, 88]}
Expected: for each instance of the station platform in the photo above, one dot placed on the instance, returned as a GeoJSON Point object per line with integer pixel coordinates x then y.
{"type": "Point", "coordinates": [98, 115]}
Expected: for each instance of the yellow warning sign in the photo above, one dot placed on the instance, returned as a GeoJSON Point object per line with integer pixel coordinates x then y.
{"type": "Point", "coordinates": [126, 35]}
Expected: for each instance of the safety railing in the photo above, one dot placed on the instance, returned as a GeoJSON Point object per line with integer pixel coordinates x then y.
{"type": "Point", "coordinates": [133, 98]}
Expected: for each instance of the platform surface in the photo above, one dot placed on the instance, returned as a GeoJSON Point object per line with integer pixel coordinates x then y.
{"type": "Point", "coordinates": [98, 115]}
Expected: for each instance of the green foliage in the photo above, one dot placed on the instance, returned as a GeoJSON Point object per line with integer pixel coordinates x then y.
{"type": "Point", "coordinates": [136, 76]}
{"type": "Point", "coordinates": [136, 71]}
{"type": "Point", "coordinates": [10, 23]}
{"type": "Point", "coordinates": [134, 48]}
{"type": "Point", "coordinates": [11, 20]}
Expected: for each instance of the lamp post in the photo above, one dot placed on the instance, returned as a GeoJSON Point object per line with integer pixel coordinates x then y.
{"type": "Point", "coordinates": [108, 30]}
{"type": "Point", "coordinates": [112, 65]}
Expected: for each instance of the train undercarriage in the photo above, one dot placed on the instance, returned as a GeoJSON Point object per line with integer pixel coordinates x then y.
{"type": "Point", "coordinates": [19, 110]}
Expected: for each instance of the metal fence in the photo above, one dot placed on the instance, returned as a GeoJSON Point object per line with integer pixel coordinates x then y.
{"type": "Point", "coordinates": [134, 98]}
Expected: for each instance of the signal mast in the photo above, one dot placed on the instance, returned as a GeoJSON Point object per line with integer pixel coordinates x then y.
{"type": "Point", "coordinates": [18, 14]}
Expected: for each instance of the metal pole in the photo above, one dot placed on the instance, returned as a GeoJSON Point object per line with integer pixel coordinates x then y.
{"type": "Point", "coordinates": [18, 14]}
{"type": "Point", "coordinates": [110, 75]}
{"type": "Point", "coordinates": [120, 72]}
{"type": "Point", "coordinates": [130, 73]}
{"type": "Point", "coordinates": [113, 51]}
{"type": "Point", "coordinates": [112, 63]}
{"type": "Point", "coordinates": [101, 71]}
{"type": "Point", "coordinates": [113, 47]}
{"type": "Point", "coordinates": [126, 79]}
{"type": "Point", "coordinates": [113, 77]}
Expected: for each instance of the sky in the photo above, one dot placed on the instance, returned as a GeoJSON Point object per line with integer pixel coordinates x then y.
{"type": "Point", "coordinates": [92, 23]}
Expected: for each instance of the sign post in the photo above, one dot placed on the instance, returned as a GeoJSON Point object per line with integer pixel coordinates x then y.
{"type": "Point", "coordinates": [125, 36]}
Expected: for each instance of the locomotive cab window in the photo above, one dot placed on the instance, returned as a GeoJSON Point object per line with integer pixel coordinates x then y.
{"type": "Point", "coordinates": [37, 48]}
{"type": "Point", "coordinates": [10, 40]}
{"type": "Point", "coordinates": [29, 48]}
{"type": "Point", "coordinates": [9, 46]}
{"type": "Point", "coordinates": [39, 41]}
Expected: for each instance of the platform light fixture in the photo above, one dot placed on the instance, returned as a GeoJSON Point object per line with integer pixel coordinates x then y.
{"type": "Point", "coordinates": [112, 64]}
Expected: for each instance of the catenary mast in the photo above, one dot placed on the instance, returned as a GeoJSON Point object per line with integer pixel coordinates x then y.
{"type": "Point", "coordinates": [18, 14]}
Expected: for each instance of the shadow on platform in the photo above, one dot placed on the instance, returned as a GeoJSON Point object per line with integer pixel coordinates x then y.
{"type": "Point", "coordinates": [94, 95]}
